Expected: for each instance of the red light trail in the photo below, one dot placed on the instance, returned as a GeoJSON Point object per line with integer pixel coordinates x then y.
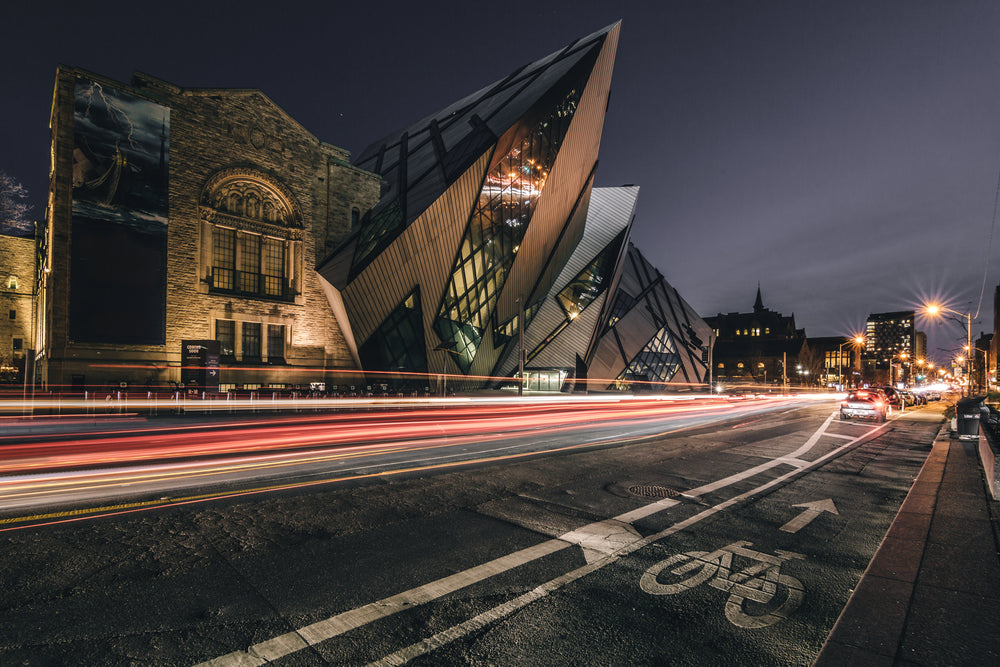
{"type": "Point", "coordinates": [143, 459]}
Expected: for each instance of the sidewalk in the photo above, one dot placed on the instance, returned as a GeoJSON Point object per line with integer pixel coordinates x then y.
{"type": "Point", "coordinates": [931, 595]}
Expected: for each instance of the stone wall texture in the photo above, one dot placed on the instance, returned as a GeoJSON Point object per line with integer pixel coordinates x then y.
{"type": "Point", "coordinates": [17, 285]}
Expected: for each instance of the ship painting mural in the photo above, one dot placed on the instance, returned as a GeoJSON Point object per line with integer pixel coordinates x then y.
{"type": "Point", "coordinates": [119, 267]}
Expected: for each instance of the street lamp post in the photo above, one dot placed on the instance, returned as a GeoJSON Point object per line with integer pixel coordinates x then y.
{"type": "Point", "coordinates": [857, 340]}
{"type": "Point", "coordinates": [902, 356]}
{"type": "Point", "coordinates": [934, 310]}
{"type": "Point", "coordinates": [445, 348]}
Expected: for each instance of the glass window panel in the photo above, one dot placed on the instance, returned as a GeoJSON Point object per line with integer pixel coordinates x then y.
{"type": "Point", "coordinates": [251, 341]}
{"type": "Point", "coordinates": [223, 258]}
{"type": "Point", "coordinates": [398, 343]}
{"type": "Point", "coordinates": [658, 362]}
{"type": "Point", "coordinates": [225, 333]}
{"type": "Point", "coordinates": [275, 342]}
{"type": "Point", "coordinates": [377, 230]}
{"type": "Point", "coordinates": [274, 267]}
{"type": "Point", "coordinates": [249, 277]}
{"type": "Point", "coordinates": [517, 179]}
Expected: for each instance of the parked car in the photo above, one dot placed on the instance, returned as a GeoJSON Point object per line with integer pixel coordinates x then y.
{"type": "Point", "coordinates": [912, 398]}
{"type": "Point", "coordinates": [866, 403]}
{"type": "Point", "coordinates": [895, 397]}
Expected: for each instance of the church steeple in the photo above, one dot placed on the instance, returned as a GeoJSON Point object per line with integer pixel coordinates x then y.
{"type": "Point", "coordinates": [758, 305]}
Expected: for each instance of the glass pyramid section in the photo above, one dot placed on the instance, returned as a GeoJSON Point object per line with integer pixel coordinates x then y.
{"type": "Point", "coordinates": [657, 362]}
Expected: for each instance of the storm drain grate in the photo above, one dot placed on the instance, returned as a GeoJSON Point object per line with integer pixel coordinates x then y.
{"type": "Point", "coordinates": [653, 491]}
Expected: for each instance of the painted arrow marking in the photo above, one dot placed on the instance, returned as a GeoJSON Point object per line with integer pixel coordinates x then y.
{"type": "Point", "coordinates": [811, 511]}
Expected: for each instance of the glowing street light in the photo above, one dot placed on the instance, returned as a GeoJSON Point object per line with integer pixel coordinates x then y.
{"type": "Point", "coordinates": [934, 310]}
{"type": "Point", "coordinates": [902, 356]}
{"type": "Point", "coordinates": [857, 341]}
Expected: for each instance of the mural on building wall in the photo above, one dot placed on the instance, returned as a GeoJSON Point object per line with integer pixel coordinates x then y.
{"type": "Point", "coordinates": [119, 238]}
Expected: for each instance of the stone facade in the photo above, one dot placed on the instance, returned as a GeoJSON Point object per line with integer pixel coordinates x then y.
{"type": "Point", "coordinates": [239, 168]}
{"type": "Point", "coordinates": [17, 286]}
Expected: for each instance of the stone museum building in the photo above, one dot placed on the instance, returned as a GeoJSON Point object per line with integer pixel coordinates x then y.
{"type": "Point", "coordinates": [186, 222]}
{"type": "Point", "coordinates": [178, 215]}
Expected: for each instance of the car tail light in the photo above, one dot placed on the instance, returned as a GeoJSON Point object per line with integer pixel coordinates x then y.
{"type": "Point", "coordinates": [878, 404]}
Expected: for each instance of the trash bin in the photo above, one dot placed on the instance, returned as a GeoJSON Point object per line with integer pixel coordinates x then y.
{"type": "Point", "coordinates": [967, 412]}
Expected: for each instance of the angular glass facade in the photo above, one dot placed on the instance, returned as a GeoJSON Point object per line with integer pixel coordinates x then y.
{"type": "Point", "coordinates": [497, 226]}
{"type": "Point", "coordinates": [378, 229]}
{"type": "Point", "coordinates": [623, 303]}
{"type": "Point", "coordinates": [480, 219]}
{"type": "Point", "coordinates": [583, 290]}
{"type": "Point", "coordinates": [591, 282]}
{"type": "Point", "coordinates": [506, 331]}
{"type": "Point", "coordinates": [398, 343]}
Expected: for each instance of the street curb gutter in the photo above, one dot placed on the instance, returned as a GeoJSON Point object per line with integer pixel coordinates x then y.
{"type": "Point", "coordinates": [870, 628]}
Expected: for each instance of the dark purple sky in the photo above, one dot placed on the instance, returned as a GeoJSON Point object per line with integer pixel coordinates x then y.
{"type": "Point", "coordinates": [844, 153]}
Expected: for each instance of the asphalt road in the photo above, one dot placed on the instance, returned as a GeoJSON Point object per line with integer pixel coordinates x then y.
{"type": "Point", "coordinates": [736, 543]}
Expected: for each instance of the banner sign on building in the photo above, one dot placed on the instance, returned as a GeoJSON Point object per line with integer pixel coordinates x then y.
{"type": "Point", "coordinates": [200, 365]}
{"type": "Point", "coordinates": [118, 272]}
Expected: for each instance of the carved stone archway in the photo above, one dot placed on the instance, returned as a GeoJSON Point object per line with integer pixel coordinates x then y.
{"type": "Point", "coordinates": [250, 198]}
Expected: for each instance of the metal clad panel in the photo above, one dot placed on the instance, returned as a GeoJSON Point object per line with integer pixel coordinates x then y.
{"type": "Point", "coordinates": [423, 254]}
{"type": "Point", "coordinates": [610, 212]}
{"type": "Point", "coordinates": [561, 352]}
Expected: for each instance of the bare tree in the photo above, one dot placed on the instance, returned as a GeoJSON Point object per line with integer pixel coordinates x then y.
{"type": "Point", "coordinates": [14, 207]}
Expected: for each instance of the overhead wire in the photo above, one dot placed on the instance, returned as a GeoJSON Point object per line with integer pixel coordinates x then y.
{"type": "Point", "coordinates": [989, 246]}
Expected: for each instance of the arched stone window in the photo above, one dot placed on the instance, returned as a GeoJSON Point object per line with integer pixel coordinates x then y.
{"type": "Point", "coordinates": [252, 236]}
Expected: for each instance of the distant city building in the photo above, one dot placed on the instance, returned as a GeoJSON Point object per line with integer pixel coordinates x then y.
{"type": "Point", "coordinates": [761, 346]}
{"type": "Point", "coordinates": [841, 358]}
{"type": "Point", "coordinates": [994, 359]}
{"type": "Point", "coordinates": [919, 345]}
{"type": "Point", "coordinates": [890, 342]}
{"type": "Point", "coordinates": [984, 361]}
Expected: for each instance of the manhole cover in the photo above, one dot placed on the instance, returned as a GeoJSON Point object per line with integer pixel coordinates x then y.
{"type": "Point", "coordinates": [652, 491]}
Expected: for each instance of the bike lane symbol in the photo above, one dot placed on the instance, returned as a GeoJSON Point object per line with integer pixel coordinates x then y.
{"type": "Point", "coordinates": [759, 582]}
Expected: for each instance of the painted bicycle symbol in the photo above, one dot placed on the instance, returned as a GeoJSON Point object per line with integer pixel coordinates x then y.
{"type": "Point", "coordinates": [759, 594]}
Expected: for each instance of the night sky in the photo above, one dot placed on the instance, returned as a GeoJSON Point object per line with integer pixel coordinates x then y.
{"type": "Point", "coordinates": [845, 154]}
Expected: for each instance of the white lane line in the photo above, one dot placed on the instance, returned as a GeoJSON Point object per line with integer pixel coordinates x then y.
{"type": "Point", "coordinates": [602, 538]}
{"type": "Point", "coordinates": [497, 613]}
{"type": "Point", "coordinates": [795, 463]}
{"type": "Point", "coordinates": [272, 649]}
{"type": "Point", "coordinates": [648, 510]}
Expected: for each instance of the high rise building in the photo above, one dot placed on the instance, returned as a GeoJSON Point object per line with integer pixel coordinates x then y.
{"type": "Point", "coordinates": [888, 335]}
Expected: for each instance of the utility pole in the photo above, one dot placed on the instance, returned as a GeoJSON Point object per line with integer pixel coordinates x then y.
{"type": "Point", "coordinates": [520, 346]}
{"type": "Point", "coordinates": [784, 374]}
